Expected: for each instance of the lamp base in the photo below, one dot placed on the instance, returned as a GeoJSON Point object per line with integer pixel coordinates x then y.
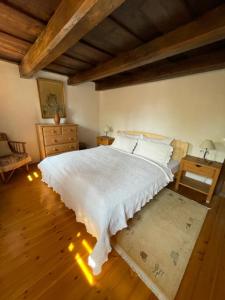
{"type": "Point", "coordinates": [205, 153]}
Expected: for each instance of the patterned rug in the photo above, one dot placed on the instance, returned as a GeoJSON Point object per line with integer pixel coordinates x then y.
{"type": "Point", "coordinates": [159, 240]}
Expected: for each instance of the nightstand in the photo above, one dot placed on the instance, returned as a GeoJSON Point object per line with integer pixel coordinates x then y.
{"type": "Point", "coordinates": [104, 140]}
{"type": "Point", "coordinates": [199, 166]}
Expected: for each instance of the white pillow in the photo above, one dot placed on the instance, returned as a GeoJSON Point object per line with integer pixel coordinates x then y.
{"type": "Point", "coordinates": [131, 136]}
{"type": "Point", "coordinates": [157, 152]}
{"type": "Point", "coordinates": [166, 141]}
{"type": "Point", "coordinates": [124, 143]}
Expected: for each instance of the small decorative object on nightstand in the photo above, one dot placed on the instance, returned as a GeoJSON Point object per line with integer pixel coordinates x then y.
{"type": "Point", "coordinates": [104, 140]}
{"type": "Point", "coordinates": [107, 129]}
{"type": "Point", "coordinates": [202, 167]}
{"type": "Point", "coordinates": [205, 146]}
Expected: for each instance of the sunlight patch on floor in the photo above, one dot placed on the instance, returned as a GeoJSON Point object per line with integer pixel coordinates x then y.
{"type": "Point", "coordinates": [87, 246]}
{"type": "Point", "coordinates": [84, 269]}
{"type": "Point", "coordinates": [35, 174]}
{"type": "Point", "coordinates": [30, 178]}
{"type": "Point", "coordinates": [71, 247]}
{"type": "Point", "coordinates": [83, 266]}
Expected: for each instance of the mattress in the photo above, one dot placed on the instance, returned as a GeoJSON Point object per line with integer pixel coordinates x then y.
{"type": "Point", "coordinates": [173, 165]}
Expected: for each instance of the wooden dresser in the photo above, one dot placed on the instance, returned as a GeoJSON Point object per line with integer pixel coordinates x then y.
{"type": "Point", "coordinates": [54, 139]}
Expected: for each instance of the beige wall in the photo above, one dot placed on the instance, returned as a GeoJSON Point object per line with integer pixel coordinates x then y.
{"type": "Point", "coordinates": [20, 109]}
{"type": "Point", "coordinates": [190, 108]}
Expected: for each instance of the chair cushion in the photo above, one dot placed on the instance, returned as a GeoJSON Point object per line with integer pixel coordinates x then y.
{"type": "Point", "coordinates": [4, 149]}
{"type": "Point", "coordinates": [12, 159]}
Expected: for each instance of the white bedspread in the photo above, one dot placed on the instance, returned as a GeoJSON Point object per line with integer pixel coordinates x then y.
{"type": "Point", "coordinates": [104, 187]}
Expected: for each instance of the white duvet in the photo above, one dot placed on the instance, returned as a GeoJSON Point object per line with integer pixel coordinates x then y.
{"type": "Point", "coordinates": [104, 187]}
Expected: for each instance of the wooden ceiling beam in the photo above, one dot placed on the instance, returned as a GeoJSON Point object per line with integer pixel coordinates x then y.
{"type": "Point", "coordinates": [38, 9]}
{"type": "Point", "coordinates": [22, 26]}
{"type": "Point", "coordinates": [203, 31]}
{"type": "Point", "coordinates": [70, 22]}
{"type": "Point", "coordinates": [19, 24]}
{"type": "Point", "coordinates": [112, 38]}
{"type": "Point", "coordinates": [12, 48]}
{"type": "Point", "coordinates": [71, 62]}
{"type": "Point", "coordinates": [164, 70]}
{"type": "Point", "coordinates": [88, 53]}
{"type": "Point", "coordinates": [60, 69]}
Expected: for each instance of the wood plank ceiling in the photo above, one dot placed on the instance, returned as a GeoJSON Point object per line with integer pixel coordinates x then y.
{"type": "Point", "coordinates": [113, 42]}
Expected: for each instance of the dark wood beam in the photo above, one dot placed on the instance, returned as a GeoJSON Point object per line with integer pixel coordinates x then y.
{"type": "Point", "coordinates": [38, 9]}
{"type": "Point", "coordinates": [165, 70]}
{"type": "Point", "coordinates": [22, 26]}
{"type": "Point", "coordinates": [70, 22]}
{"type": "Point", "coordinates": [19, 24]}
{"type": "Point", "coordinates": [71, 62]}
{"type": "Point", "coordinates": [88, 53]}
{"type": "Point", "coordinates": [59, 69]}
{"type": "Point", "coordinates": [203, 31]}
{"type": "Point", "coordinates": [112, 38]}
{"type": "Point", "coordinates": [12, 48]}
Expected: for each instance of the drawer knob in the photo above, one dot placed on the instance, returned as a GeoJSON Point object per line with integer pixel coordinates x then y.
{"type": "Point", "coordinates": [55, 149]}
{"type": "Point", "coordinates": [198, 166]}
{"type": "Point", "coordinates": [55, 141]}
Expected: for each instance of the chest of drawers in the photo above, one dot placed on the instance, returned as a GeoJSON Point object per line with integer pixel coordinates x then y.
{"type": "Point", "coordinates": [55, 139]}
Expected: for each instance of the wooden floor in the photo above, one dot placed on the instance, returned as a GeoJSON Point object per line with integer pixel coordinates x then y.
{"type": "Point", "coordinates": [35, 262]}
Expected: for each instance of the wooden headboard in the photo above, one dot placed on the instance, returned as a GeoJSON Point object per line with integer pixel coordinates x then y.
{"type": "Point", "coordinates": [179, 147]}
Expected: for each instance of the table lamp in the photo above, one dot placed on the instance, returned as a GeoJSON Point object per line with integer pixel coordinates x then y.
{"type": "Point", "coordinates": [205, 146]}
{"type": "Point", "coordinates": [107, 129]}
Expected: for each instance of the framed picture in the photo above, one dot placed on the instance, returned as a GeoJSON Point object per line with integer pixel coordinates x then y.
{"type": "Point", "coordinates": [51, 94]}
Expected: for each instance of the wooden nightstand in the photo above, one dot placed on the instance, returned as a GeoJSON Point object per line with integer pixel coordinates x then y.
{"type": "Point", "coordinates": [104, 140]}
{"type": "Point", "coordinates": [199, 166]}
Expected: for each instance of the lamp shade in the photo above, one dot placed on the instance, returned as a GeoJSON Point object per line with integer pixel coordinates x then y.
{"type": "Point", "coordinates": [207, 144]}
{"type": "Point", "coordinates": [107, 128]}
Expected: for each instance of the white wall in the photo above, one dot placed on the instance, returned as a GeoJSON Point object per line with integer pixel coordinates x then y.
{"type": "Point", "coordinates": [190, 108]}
{"type": "Point", "coordinates": [20, 108]}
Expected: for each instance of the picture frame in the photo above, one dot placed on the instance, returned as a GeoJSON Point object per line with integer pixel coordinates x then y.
{"type": "Point", "coordinates": [51, 96]}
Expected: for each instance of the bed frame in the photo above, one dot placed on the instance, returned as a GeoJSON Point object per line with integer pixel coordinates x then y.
{"type": "Point", "coordinates": [179, 147]}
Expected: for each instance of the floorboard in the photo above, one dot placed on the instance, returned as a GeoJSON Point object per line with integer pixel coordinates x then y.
{"type": "Point", "coordinates": [35, 263]}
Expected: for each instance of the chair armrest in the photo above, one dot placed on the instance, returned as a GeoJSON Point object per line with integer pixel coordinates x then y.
{"type": "Point", "coordinates": [17, 147]}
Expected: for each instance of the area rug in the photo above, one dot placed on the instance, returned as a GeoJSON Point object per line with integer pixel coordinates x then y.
{"type": "Point", "coordinates": [159, 241]}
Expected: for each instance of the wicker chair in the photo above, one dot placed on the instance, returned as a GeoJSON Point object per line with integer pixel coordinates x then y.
{"type": "Point", "coordinates": [17, 159]}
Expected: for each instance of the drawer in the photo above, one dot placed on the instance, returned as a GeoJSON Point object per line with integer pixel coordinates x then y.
{"type": "Point", "coordinates": [69, 130]}
{"type": "Point", "coordinates": [198, 169]}
{"type": "Point", "coordinates": [60, 139]}
{"type": "Point", "coordinates": [103, 141]}
{"type": "Point", "coordinates": [54, 130]}
{"type": "Point", "coordinates": [60, 148]}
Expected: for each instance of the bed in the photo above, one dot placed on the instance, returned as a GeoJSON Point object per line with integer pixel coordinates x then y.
{"type": "Point", "coordinates": [105, 186]}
